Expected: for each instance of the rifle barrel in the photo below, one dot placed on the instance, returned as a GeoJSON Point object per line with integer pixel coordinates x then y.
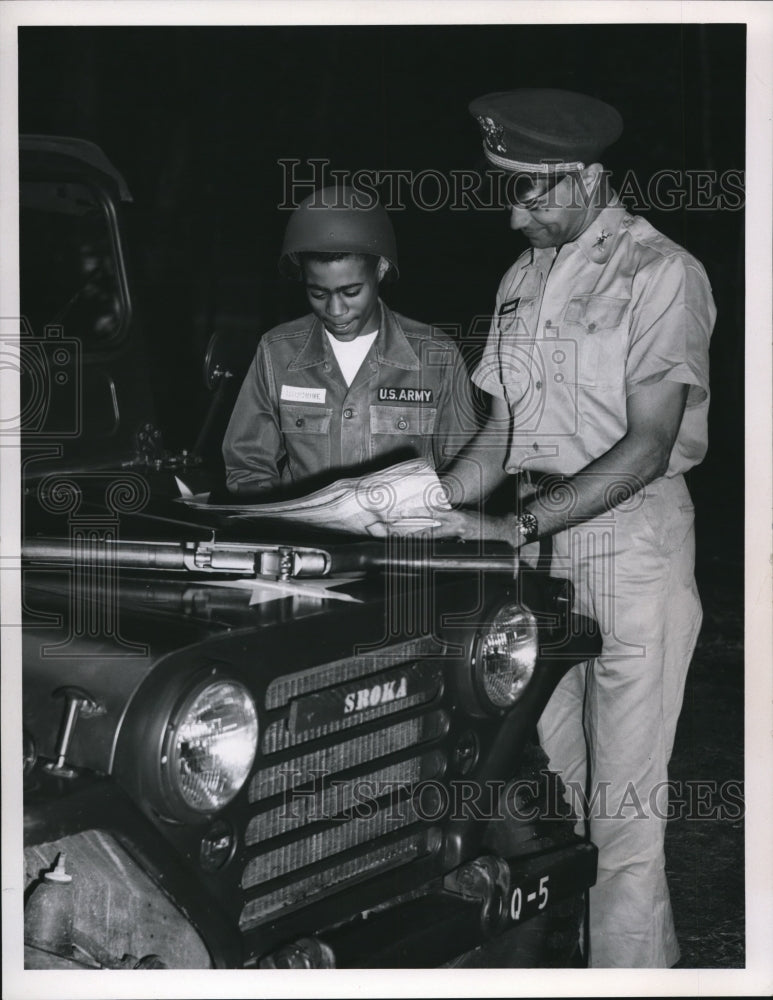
{"type": "Point", "coordinates": [134, 555]}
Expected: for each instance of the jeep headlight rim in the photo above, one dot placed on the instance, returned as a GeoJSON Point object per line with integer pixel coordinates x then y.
{"type": "Point", "coordinates": [505, 656]}
{"type": "Point", "coordinates": [209, 746]}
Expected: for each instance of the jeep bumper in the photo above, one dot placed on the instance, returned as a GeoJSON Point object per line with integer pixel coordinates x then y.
{"type": "Point", "coordinates": [474, 904]}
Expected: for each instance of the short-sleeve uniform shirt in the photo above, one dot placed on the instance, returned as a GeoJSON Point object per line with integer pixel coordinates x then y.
{"type": "Point", "coordinates": [578, 330]}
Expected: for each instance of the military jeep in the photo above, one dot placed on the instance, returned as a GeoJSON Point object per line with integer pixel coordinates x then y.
{"type": "Point", "coordinates": [249, 744]}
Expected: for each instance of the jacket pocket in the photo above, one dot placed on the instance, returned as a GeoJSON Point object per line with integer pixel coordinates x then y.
{"type": "Point", "coordinates": [306, 431]}
{"type": "Point", "coordinates": [593, 322]}
{"type": "Point", "coordinates": [409, 421]}
{"type": "Point", "coordinates": [298, 419]}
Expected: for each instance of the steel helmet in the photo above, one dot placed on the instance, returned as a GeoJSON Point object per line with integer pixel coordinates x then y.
{"type": "Point", "coordinates": [338, 220]}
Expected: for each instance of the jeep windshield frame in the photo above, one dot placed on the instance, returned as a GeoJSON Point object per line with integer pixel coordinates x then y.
{"type": "Point", "coordinates": [74, 223]}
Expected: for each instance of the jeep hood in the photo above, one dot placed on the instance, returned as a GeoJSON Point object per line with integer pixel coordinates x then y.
{"type": "Point", "coordinates": [106, 645]}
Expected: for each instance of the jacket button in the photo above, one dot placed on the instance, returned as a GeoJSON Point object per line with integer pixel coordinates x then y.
{"type": "Point", "coordinates": [591, 327]}
{"type": "Point", "coordinates": [402, 423]}
{"type": "Point", "coordinates": [538, 384]}
{"type": "Point", "coordinates": [348, 413]}
{"type": "Point", "coordinates": [299, 422]}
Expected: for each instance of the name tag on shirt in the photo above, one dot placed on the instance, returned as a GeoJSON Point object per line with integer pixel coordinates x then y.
{"type": "Point", "coordinates": [302, 394]}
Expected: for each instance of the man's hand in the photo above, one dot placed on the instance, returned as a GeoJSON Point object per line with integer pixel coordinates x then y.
{"type": "Point", "coordinates": [469, 524]}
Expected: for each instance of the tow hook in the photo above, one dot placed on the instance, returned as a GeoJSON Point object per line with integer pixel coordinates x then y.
{"type": "Point", "coordinates": [486, 879]}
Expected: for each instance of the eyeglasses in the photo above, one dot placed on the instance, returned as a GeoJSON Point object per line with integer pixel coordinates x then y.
{"type": "Point", "coordinates": [531, 191]}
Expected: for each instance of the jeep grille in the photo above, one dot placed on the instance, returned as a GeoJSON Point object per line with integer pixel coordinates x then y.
{"type": "Point", "coordinates": [305, 837]}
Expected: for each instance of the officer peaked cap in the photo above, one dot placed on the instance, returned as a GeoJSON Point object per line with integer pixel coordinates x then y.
{"type": "Point", "coordinates": [544, 131]}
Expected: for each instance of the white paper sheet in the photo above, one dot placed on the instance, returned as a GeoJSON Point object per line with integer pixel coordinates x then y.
{"type": "Point", "coordinates": [407, 494]}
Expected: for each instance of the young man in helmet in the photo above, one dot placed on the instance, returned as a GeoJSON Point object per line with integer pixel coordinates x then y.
{"type": "Point", "coordinates": [351, 386]}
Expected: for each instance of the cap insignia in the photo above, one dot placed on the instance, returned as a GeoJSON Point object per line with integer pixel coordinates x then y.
{"type": "Point", "coordinates": [493, 133]}
{"type": "Point", "coordinates": [602, 238]}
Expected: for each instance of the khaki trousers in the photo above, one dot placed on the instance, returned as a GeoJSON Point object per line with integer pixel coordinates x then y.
{"type": "Point", "coordinates": [609, 726]}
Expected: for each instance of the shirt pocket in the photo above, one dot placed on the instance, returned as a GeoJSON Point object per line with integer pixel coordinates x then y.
{"type": "Point", "coordinates": [594, 323]}
{"type": "Point", "coordinates": [299, 419]}
{"type": "Point", "coordinates": [407, 421]}
{"type": "Point", "coordinates": [306, 431]}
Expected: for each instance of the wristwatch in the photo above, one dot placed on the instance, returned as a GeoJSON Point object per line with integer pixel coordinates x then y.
{"type": "Point", "coordinates": [527, 526]}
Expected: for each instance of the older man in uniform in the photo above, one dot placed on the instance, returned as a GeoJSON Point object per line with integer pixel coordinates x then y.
{"type": "Point", "coordinates": [597, 365]}
{"type": "Point", "coordinates": [352, 386]}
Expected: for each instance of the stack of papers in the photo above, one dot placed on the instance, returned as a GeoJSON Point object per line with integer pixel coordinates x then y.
{"type": "Point", "coordinates": [405, 496]}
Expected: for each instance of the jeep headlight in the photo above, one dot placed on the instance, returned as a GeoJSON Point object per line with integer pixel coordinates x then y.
{"type": "Point", "coordinates": [210, 745]}
{"type": "Point", "coordinates": [506, 655]}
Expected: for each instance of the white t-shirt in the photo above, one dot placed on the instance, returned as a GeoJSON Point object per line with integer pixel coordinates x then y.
{"type": "Point", "coordinates": [351, 353]}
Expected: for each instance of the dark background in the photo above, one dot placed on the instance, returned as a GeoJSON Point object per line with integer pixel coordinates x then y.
{"type": "Point", "coordinates": [197, 118]}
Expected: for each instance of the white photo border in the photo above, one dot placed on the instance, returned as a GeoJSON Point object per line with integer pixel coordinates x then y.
{"type": "Point", "coordinates": [757, 977]}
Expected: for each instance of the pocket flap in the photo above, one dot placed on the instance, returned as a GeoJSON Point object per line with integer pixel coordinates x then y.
{"type": "Point", "coordinates": [297, 419]}
{"type": "Point", "coordinates": [596, 312]}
